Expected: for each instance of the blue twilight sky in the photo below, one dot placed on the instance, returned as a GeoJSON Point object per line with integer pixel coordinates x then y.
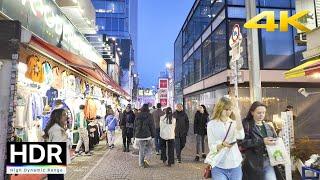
{"type": "Point", "coordinates": [159, 22]}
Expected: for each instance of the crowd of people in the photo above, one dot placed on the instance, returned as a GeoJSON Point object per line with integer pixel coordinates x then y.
{"type": "Point", "coordinates": [237, 147]}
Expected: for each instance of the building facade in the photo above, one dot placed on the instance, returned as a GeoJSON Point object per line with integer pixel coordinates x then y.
{"type": "Point", "coordinates": [202, 73]}
{"type": "Point", "coordinates": [117, 20]}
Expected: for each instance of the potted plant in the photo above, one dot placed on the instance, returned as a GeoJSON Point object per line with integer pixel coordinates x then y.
{"type": "Point", "coordinates": [302, 150]}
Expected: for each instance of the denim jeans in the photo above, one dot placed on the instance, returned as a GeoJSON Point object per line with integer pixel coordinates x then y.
{"type": "Point", "coordinates": [180, 142]}
{"type": "Point", "coordinates": [269, 173]}
{"type": "Point", "coordinates": [200, 142]}
{"type": "Point", "coordinates": [111, 137]}
{"type": "Point", "coordinates": [157, 140]}
{"type": "Point", "coordinates": [145, 151]}
{"type": "Point", "coordinates": [226, 174]}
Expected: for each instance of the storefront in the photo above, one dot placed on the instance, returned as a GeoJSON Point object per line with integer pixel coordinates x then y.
{"type": "Point", "coordinates": [42, 77]}
{"type": "Point", "coordinates": [275, 95]}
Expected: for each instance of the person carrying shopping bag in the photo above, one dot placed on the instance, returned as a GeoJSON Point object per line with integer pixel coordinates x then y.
{"type": "Point", "coordinates": [167, 127]}
{"type": "Point", "coordinates": [223, 132]}
{"type": "Point", "coordinates": [258, 135]}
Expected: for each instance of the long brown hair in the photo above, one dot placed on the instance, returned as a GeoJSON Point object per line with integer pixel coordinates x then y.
{"type": "Point", "coordinates": [55, 117]}
{"type": "Point", "coordinates": [253, 107]}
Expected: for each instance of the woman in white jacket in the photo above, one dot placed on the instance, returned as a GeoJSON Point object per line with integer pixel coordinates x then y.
{"type": "Point", "coordinates": [167, 127]}
{"type": "Point", "coordinates": [223, 132]}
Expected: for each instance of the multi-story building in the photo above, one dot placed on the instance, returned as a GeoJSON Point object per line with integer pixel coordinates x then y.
{"type": "Point", "coordinates": [201, 61]}
{"type": "Point", "coordinates": [116, 20]}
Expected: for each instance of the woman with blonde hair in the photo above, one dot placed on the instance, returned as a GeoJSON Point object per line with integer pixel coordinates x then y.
{"type": "Point", "coordinates": [223, 130]}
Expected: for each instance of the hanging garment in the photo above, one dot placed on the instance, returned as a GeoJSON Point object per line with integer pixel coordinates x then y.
{"type": "Point", "coordinates": [20, 112]}
{"type": "Point", "coordinates": [51, 94]}
{"type": "Point", "coordinates": [90, 109]}
{"type": "Point", "coordinates": [35, 69]}
{"type": "Point", "coordinates": [57, 82]}
{"type": "Point", "coordinates": [48, 73]}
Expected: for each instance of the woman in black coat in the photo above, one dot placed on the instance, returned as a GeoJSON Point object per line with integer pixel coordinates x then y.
{"type": "Point", "coordinates": [200, 129]}
{"type": "Point", "coordinates": [127, 125]}
{"type": "Point", "coordinates": [258, 134]}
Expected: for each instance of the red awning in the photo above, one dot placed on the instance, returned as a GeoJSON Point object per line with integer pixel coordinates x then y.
{"type": "Point", "coordinates": [79, 63]}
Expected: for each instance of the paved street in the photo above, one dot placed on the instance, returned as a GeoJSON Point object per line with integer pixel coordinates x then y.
{"type": "Point", "coordinates": [115, 164]}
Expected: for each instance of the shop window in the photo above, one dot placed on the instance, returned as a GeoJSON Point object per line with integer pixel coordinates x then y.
{"type": "Point", "coordinates": [178, 58]}
{"type": "Point", "coordinates": [197, 63]}
{"type": "Point", "coordinates": [277, 49]}
{"type": "Point", "coordinates": [206, 61]}
{"type": "Point", "coordinates": [115, 22]}
{"type": "Point", "coordinates": [236, 2]}
{"type": "Point", "coordinates": [108, 24]}
{"type": "Point", "coordinates": [237, 12]}
{"type": "Point", "coordinates": [216, 8]}
{"type": "Point", "coordinates": [219, 48]}
{"type": "Point", "coordinates": [275, 3]}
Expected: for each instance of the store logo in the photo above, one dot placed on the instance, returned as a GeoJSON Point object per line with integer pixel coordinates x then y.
{"type": "Point", "coordinates": [285, 20]}
{"type": "Point", "coordinates": [36, 157]}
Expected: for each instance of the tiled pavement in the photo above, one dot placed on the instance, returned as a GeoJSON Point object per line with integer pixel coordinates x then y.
{"type": "Point", "coordinates": [115, 164]}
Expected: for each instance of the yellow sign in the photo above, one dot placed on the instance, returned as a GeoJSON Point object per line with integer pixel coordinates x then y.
{"type": "Point", "coordinates": [270, 24]}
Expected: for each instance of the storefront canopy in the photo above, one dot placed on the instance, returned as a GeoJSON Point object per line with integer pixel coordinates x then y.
{"type": "Point", "coordinates": [308, 68]}
{"type": "Point", "coordinates": [79, 63]}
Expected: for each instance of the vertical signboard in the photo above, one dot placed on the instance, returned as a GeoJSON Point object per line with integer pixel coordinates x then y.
{"type": "Point", "coordinates": [163, 91]}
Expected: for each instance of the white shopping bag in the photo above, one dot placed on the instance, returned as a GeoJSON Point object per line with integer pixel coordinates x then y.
{"type": "Point", "coordinates": [277, 153]}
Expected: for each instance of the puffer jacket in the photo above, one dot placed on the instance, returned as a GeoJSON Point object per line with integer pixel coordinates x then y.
{"type": "Point", "coordinates": [144, 126]}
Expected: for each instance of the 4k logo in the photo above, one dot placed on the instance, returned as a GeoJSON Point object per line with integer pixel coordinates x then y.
{"type": "Point", "coordinates": [285, 20]}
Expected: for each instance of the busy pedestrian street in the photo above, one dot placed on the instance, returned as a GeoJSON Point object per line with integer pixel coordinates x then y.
{"type": "Point", "coordinates": [110, 164]}
{"type": "Point", "coordinates": [159, 89]}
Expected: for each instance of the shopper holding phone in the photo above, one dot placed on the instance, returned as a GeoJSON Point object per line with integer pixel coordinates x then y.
{"type": "Point", "coordinates": [223, 132]}
{"type": "Point", "coordinates": [257, 135]}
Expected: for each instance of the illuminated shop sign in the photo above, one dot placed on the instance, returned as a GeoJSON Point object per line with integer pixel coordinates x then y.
{"type": "Point", "coordinates": [44, 19]}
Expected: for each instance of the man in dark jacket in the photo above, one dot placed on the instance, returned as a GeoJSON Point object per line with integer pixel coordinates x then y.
{"type": "Point", "coordinates": [181, 131]}
{"type": "Point", "coordinates": [156, 118]}
{"type": "Point", "coordinates": [127, 125]}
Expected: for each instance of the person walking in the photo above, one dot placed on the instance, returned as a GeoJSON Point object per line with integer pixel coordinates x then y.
{"type": "Point", "coordinates": [144, 131]}
{"type": "Point", "coordinates": [156, 118]}
{"type": "Point", "coordinates": [111, 124]}
{"type": "Point", "coordinates": [181, 130]}
{"type": "Point", "coordinates": [167, 127]}
{"type": "Point", "coordinates": [258, 134]}
{"type": "Point", "coordinates": [223, 132]}
{"type": "Point", "coordinates": [55, 131]}
{"type": "Point", "coordinates": [83, 132]}
{"type": "Point", "coordinates": [127, 125]}
{"type": "Point", "coordinates": [200, 129]}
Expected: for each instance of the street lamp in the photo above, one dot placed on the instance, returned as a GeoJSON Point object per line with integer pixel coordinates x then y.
{"type": "Point", "coordinates": [168, 65]}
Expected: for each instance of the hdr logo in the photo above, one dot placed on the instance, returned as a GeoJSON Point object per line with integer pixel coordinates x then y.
{"type": "Point", "coordinates": [36, 158]}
